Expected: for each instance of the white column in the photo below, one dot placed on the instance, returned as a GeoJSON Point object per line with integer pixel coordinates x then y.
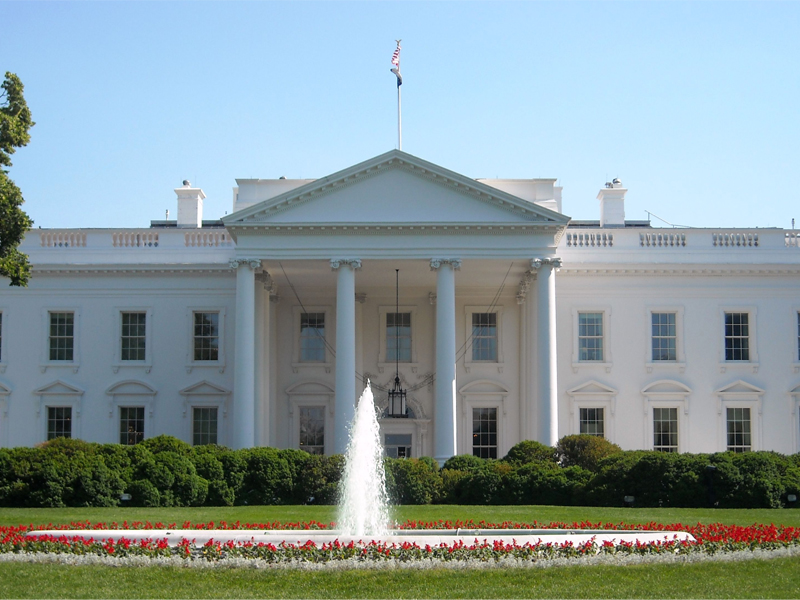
{"type": "Point", "coordinates": [262, 353]}
{"type": "Point", "coordinates": [547, 388]}
{"type": "Point", "coordinates": [525, 335]}
{"type": "Point", "coordinates": [345, 398]}
{"type": "Point", "coordinates": [444, 432]}
{"type": "Point", "coordinates": [244, 365]}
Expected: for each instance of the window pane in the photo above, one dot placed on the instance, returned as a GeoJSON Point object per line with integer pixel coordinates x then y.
{"type": "Point", "coordinates": [59, 422]}
{"type": "Point", "coordinates": [665, 429]}
{"type": "Point", "coordinates": [664, 337]}
{"type": "Point", "coordinates": [737, 336]}
{"type": "Point", "coordinates": [484, 432]}
{"type": "Point", "coordinates": [590, 337]}
{"type": "Point", "coordinates": [592, 421]}
{"type": "Point", "coordinates": [398, 337]}
{"type": "Point", "coordinates": [206, 336]}
{"type": "Point", "coordinates": [312, 429]}
{"type": "Point", "coordinates": [61, 335]}
{"type": "Point", "coordinates": [131, 425]}
{"type": "Point", "coordinates": [312, 337]}
{"type": "Point", "coordinates": [133, 336]}
{"type": "Point", "coordinates": [204, 425]}
{"type": "Point", "coordinates": [484, 337]}
{"type": "Point", "coordinates": [397, 445]}
{"type": "Point", "coordinates": [739, 434]}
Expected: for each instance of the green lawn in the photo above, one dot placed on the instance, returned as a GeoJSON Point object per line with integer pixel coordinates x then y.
{"type": "Point", "coordinates": [777, 578]}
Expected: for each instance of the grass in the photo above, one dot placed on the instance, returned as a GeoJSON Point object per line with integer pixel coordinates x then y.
{"type": "Point", "coordinates": [776, 578]}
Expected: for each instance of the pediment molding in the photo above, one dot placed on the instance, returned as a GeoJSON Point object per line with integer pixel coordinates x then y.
{"type": "Point", "coordinates": [739, 389]}
{"type": "Point", "coordinates": [484, 387]}
{"type": "Point", "coordinates": [592, 388]}
{"type": "Point", "coordinates": [522, 210]}
{"type": "Point", "coordinates": [204, 388]}
{"type": "Point", "coordinates": [131, 387]}
{"type": "Point", "coordinates": [58, 388]}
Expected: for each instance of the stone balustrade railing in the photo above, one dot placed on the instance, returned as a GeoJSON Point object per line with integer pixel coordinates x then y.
{"type": "Point", "coordinates": [619, 240]}
{"type": "Point", "coordinates": [130, 239]}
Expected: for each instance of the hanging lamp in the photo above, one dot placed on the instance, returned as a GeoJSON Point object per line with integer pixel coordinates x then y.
{"type": "Point", "coordinates": [397, 395]}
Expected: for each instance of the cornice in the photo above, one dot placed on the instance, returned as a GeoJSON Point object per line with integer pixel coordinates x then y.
{"type": "Point", "coordinates": [683, 270]}
{"type": "Point", "coordinates": [403, 229]}
{"type": "Point", "coordinates": [71, 269]}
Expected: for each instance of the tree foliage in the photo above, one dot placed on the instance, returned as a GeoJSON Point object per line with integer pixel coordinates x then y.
{"type": "Point", "coordinates": [15, 124]}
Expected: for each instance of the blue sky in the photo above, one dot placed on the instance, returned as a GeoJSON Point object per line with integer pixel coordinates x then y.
{"type": "Point", "coordinates": [693, 105]}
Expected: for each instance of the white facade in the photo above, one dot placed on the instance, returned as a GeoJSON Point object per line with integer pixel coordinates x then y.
{"type": "Point", "coordinates": [247, 331]}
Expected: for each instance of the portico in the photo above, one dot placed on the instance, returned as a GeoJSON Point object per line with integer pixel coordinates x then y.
{"type": "Point", "coordinates": [327, 258]}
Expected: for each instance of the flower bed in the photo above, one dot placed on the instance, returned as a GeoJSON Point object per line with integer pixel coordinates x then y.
{"type": "Point", "coordinates": [712, 539]}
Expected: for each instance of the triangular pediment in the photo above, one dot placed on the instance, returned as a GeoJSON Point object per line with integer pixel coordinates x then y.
{"type": "Point", "coordinates": [130, 387]}
{"type": "Point", "coordinates": [739, 387]}
{"type": "Point", "coordinates": [594, 388]}
{"type": "Point", "coordinates": [58, 388]}
{"type": "Point", "coordinates": [392, 190]}
{"type": "Point", "coordinates": [204, 388]}
{"type": "Point", "coordinates": [4, 390]}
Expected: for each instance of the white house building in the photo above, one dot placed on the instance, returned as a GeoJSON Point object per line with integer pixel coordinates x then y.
{"type": "Point", "coordinates": [513, 322]}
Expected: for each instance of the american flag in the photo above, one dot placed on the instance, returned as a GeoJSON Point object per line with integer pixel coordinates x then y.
{"type": "Point", "coordinates": [396, 56]}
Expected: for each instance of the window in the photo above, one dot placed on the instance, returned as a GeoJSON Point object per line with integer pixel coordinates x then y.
{"type": "Point", "coordinates": [134, 334]}
{"type": "Point", "coordinates": [737, 336]}
{"type": "Point", "coordinates": [664, 336]}
{"type": "Point", "coordinates": [206, 336]}
{"type": "Point", "coordinates": [204, 425]}
{"type": "Point", "coordinates": [484, 337]}
{"type": "Point", "coordinates": [397, 445]}
{"type": "Point", "coordinates": [312, 337]}
{"type": "Point", "coordinates": [592, 421]}
{"type": "Point", "coordinates": [398, 337]}
{"type": "Point", "coordinates": [665, 429]}
{"type": "Point", "coordinates": [484, 432]}
{"type": "Point", "coordinates": [62, 336]}
{"type": "Point", "coordinates": [739, 431]}
{"type": "Point", "coordinates": [312, 429]}
{"type": "Point", "coordinates": [590, 336]}
{"type": "Point", "coordinates": [131, 425]}
{"type": "Point", "coordinates": [59, 422]}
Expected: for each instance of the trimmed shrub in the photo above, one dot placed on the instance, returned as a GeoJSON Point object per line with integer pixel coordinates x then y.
{"type": "Point", "coordinates": [544, 483]}
{"type": "Point", "coordinates": [464, 462]}
{"type": "Point", "coordinates": [584, 451]}
{"type": "Point", "coordinates": [415, 482]}
{"type": "Point", "coordinates": [268, 479]}
{"type": "Point", "coordinates": [166, 443]}
{"type": "Point", "coordinates": [529, 451]}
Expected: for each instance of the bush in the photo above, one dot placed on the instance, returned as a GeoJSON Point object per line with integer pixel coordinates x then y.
{"type": "Point", "coordinates": [529, 451]}
{"type": "Point", "coordinates": [415, 482]}
{"type": "Point", "coordinates": [545, 483]}
{"type": "Point", "coordinates": [166, 443]}
{"type": "Point", "coordinates": [584, 451]}
{"type": "Point", "coordinates": [268, 479]}
{"type": "Point", "coordinates": [464, 462]}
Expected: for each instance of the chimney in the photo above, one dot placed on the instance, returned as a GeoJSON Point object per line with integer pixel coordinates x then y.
{"type": "Point", "coordinates": [190, 205]}
{"type": "Point", "coordinates": [612, 204]}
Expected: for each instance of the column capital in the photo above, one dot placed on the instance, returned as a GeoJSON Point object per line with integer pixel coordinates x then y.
{"type": "Point", "coordinates": [355, 263]}
{"type": "Point", "coordinates": [253, 263]}
{"type": "Point", "coordinates": [266, 279]}
{"type": "Point", "coordinates": [553, 261]}
{"type": "Point", "coordinates": [438, 262]}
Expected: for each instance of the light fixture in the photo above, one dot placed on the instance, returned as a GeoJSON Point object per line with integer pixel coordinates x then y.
{"type": "Point", "coordinates": [397, 395]}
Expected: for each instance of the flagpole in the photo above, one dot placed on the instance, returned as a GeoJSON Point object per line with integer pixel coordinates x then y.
{"type": "Point", "coordinates": [396, 71]}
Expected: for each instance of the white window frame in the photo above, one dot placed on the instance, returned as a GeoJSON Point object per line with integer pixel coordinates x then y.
{"type": "Point", "coordinates": [795, 338]}
{"type": "Point", "coordinates": [740, 394]}
{"type": "Point", "coordinates": [5, 393]}
{"type": "Point", "coordinates": [470, 364]}
{"type": "Point", "coordinates": [607, 363]}
{"type": "Point", "coordinates": [130, 392]}
{"type": "Point", "coordinates": [147, 363]}
{"type": "Point", "coordinates": [3, 338]}
{"type": "Point", "coordinates": [191, 363]}
{"type": "Point", "coordinates": [119, 420]}
{"type": "Point", "coordinates": [667, 393]}
{"type": "Point", "coordinates": [327, 364]}
{"type": "Point", "coordinates": [794, 396]}
{"type": "Point", "coordinates": [212, 405]}
{"type": "Point", "coordinates": [310, 393]}
{"type": "Point", "coordinates": [680, 346]}
{"type": "Point", "coordinates": [593, 394]}
{"type": "Point", "coordinates": [45, 362]}
{"type": "Point", "coordinates": [385, 361]}
{"type": "Point", "coordinates": [59, 393]}
{"type": "Point", "coordinates": [484, 393]}
{"type": "Point", "coordinates": [205, 394]}
{"type": "Point", "coordinates": [651, 420]}
{"type": "Point", "coordinates": [47, 419]}
{"type": "Point", "coordinates": [752, 336]}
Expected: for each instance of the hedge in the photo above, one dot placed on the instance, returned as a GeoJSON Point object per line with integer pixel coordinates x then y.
{"type": "Point", "coordinates": [580, 470]}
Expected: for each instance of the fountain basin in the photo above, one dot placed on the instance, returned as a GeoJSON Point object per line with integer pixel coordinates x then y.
{"type": "Point", "coordinates": [420, 537]}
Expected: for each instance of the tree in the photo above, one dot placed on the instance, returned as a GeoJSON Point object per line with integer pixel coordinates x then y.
{"type": "Point", "coordinates": [15, 123]}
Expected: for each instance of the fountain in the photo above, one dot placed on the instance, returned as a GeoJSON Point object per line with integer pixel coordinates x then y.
{"type": "Point", "coordinates": [364, 513]}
